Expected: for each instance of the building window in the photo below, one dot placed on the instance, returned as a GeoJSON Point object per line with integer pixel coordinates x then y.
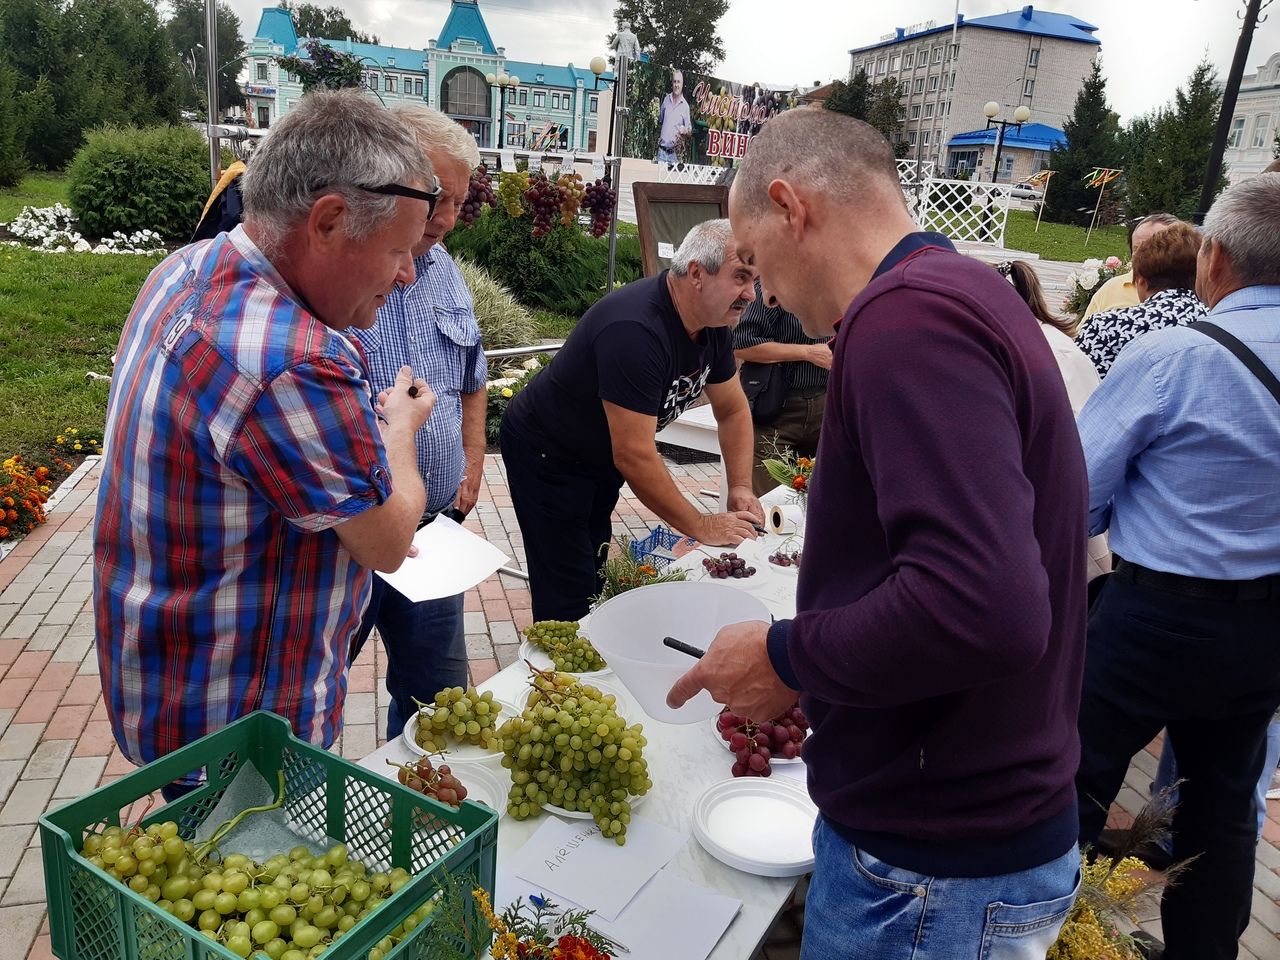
{"type": "Point", "coordinates": [881, 65]}
{"type": "Point", "coordinates": [911, 137]}
{"type": "Point", "coordinates": [391, 61]}
{"type": "Point", "coordinates": [937, 54]}
{"type": "Point", "coordinates": [262, 71]}
{"type": "Point", "coordinates": [1260, 130]}
{"type": "Point", "coordinates": [555, 101]}
{"type": "Point", "coordinates": [1006, 167]}
{"type": "Point", "coordinates": [1237, 133]}
{"type": "Point", "coordinates": [946, 112]}
{"type": "Point", "coordinates": [1029, 88]}
{"type": "Point", "coordinates": [264, 117]}
{"type": "Point", "coordinates": [524, 98]}
{"type": "Point", "coordinates": [417, 86]}
{"type": "Point", "coordinates": [539, 98]}
{"type": "Point", "coordinates": [373, 82]}
{"type": "Point", "coordinates": [915, 111]}
{"type": "Point", "coordinates": [928, 111]}
{"type": "Point", "coordinates": [893, 63]}
{"type": "Point", "coordinates": [933, 83]}
{"type": "Point", "coordinates": [389, 84]}
{"type": "Point", "coordinates": [595, 104]}
{"type": "Point", "coordinates": [919, 84]}
{"type": "Point", "coordinates": [908, 60]}
{"type": "Point", "coordinates": [924, 138]}
{"type": "Point", "coordinates": [1033, 58]}
{"type": "Point", "coordinates": [954, 51]}
{"type": "Point", "coordinates": [465, 94]}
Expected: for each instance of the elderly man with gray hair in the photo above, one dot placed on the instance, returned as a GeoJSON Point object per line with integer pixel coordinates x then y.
{"type": "Point", "coordinates": [586, 425]}
{"type": "Point", "coordinates": [430, 325]}
{"type": "Point", "coordinates": [1183, 447]}
{"type": "Point", "coordinates": [251, 478]}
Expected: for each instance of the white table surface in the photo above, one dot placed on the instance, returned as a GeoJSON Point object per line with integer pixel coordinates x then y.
{"type": "Point", "coordinates": [683, 761]}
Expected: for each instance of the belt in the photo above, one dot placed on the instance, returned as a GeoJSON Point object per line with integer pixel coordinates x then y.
{"type": "Point", "coordinates": [1230, 591]}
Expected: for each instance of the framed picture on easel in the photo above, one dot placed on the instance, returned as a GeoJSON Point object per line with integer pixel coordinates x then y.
{"type": "Point", "coordinates": [666, 212]}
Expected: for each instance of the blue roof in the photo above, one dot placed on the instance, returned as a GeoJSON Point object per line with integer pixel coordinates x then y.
{"type": "Point", "coordinates": [406, 58]}
{"type": "Point", "coordinates": [276, 25]}
{"type": "Point", "coordinates": [1032, 136]}
{"type": "Point", "coordinates": [552, 76]}
{"type": "Point", "coordinates": [1028, 20]}
{"type": "Point", "coordinates": [465, 22]}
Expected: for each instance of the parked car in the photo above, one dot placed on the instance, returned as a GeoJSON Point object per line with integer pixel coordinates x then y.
{"type": "Point", "coordinates": [1027, 191]}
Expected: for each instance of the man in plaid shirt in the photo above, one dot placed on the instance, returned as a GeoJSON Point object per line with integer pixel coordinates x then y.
{"type": "Point", "coordinates": [250, 478]}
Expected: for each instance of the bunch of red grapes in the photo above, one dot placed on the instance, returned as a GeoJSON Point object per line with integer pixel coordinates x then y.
{"type": "Point", "coordinates": [755, 745]}
{"type": "Point", "coordinates": [544, 197]}
{"type": "Point", "coordinates": [438, 783]}
{"type": "Point", "coordinates": [781, 558]}
{"type": "Point", "coordinates": [600, 198]}
{"type": "Point", "coordinates": [479, 195]}
{"type": "Point", "coordinates": [728, 565]}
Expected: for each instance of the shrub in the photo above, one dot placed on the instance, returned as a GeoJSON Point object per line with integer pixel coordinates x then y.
{"type": "Point", "coordinates": [503, 321]}
{"type": "Point", "coordinates": [129, 179]}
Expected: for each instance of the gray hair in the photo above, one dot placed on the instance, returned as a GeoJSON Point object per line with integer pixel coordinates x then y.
{"type": "Point", "coordinates": [333, 141]}
{"type": "Point", "coordinates": [1243, 220]}
{"type": "Point", "coordinates": [707, 244]}
{"type": "Point", "coordinates": [837, 155]}
{"type": "Point", "coordinates": [438, 131]}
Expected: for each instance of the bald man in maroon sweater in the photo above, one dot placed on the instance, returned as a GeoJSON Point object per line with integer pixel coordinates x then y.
{"type": "Point", "coordinates": [939, 638]}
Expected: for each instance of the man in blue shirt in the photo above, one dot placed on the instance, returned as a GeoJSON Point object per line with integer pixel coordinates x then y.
{"type": "Point", "coordinates": [430, 325]}
{"type": "Point", "coordinates": [1183, 448]}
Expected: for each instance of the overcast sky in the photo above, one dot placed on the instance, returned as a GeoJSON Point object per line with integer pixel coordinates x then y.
{"type": "Point", "coordinates": [1148, 46]}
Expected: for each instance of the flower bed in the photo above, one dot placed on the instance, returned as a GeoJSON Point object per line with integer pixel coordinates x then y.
{"type": "Point", "coordinates": [55, 230]}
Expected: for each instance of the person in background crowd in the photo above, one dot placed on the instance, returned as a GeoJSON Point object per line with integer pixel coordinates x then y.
{"type": "Point", "coordinates": [1181, 442]}
{"type": "Point", "coordinates": [673, 119]}
{"type": "Point", "coordinates": [250, 482]}
{"type": "Point", "coordinates": [586, 424]}
{"type": "Point", "coordinates": [430, 325]}
{"type": "Point", "coordinates": [1164, 274]}
{"type": "Point", "coordinates": [939, 637]}
{"type": "Point", "coordinates": [1119, 291]}
{"type": "Point", "coordinates": [768, 334]}
{"type": "Point", "coordinates": [1077, 370]}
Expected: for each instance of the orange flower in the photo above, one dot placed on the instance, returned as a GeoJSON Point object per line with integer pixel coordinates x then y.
{"type": "Point", "coordinates": [575, 948]}
{"type": "Point", "coordinates": [8, 501]}
{"type": "Point", "coordinates": [4, 533]}
{"type": "Point", "coordinates": [798, 482]}
{"type": "Point", "coordinates": [805, 463]}
{"type": "Point", "coordinates": [11, 516]}
{"type": "Point", "coordinates": [647, 570]}
{"type": "Point", "coordinates": [42, 472]}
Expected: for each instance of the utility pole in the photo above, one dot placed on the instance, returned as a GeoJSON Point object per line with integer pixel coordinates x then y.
{"type": "Point", "coordinates": [1253, 9]}
{"type": "Point", "coordinates": [211, 80]}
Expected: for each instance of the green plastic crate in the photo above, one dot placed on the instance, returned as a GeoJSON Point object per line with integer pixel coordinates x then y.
{"type": "Point", "coordinates": [93, 916]}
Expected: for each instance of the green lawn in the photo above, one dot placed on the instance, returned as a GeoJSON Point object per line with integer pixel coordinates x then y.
{"type": "Point", "coordinates": [36, 190]}
{"type": "Point", "coordinates": [1060, 241]}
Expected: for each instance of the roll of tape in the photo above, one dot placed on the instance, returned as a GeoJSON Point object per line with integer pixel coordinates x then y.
{"type": "Point", "coordinates": [776, 520]}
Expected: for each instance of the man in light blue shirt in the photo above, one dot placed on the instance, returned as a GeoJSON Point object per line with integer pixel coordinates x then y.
{"type": "Point", "coordinates": [673, 119]}
{"type": "Point", "coordinates": [430, 325]}
{"type": "Point", "coordinates": [1182, 442]}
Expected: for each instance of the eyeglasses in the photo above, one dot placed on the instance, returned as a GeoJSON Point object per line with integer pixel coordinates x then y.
{"type": "Point", "coordinates": [398, 190]}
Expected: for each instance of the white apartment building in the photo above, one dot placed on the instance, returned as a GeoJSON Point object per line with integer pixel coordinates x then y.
{"type": "Point", "coordinates": [1252, 141]}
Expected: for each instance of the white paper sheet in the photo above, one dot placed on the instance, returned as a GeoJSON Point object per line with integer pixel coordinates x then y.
{"type": "Point", "coordinates": [568, 859]}
{"type": "Point", "coordinates": [669, 917]}
{"type": "Point", "coordinates": [450, 561]}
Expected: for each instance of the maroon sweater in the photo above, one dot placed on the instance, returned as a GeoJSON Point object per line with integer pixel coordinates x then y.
{"type": "Point", "coordinates": [939, 642]}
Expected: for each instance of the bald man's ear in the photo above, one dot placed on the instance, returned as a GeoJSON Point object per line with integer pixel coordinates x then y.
{"type": "Point", "coordinates": [793, 209]}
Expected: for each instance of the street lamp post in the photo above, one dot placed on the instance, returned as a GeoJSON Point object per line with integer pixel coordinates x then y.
{"type": "Point", "coordinates": [598, 67]}
{"type": "Point", "coordinates": [505, 82]}
{"type": "Point", "coordinates": [1020, 116]}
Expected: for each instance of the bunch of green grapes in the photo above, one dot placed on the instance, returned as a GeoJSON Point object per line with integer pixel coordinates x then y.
{"type": "Point", "coordinates": [293, 906]}
{"type": "Point", "coordinates": [467, 716]}
{"type": "Point", "coordinates": [511, 188]}
{"type": "Point", "coordinates": [570, 652]}
{"type": "Point", "coordinates": [570, 748]}
{"type": "Point", "coordinates": [571, 192]}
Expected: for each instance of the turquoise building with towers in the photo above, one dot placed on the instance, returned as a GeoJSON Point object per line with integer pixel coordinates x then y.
{"type": "Point", "coordinates": [552, 108]}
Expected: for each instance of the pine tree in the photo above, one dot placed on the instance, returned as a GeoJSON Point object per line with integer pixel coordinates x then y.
{"type": "Point", "coordinates": [1092, 141]}
{"type": "Point", "coordinates": [13, 136]}
{"type": "Point", "coordinates": [186, 29]}
{"type": "Point", "coordinates": [1169, 150]}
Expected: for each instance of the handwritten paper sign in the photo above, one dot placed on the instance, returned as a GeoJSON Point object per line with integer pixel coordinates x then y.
{"type": "Point", "coordinates": [666, 250]}
{"type": "Point", "coordinates": [597, 168]}
{"type": "Point", "coordinates": [566, 163]}
{"type": "Point", "coordinates": [535, 163]}
{"type": "Point", "coordinates": [508, 159]}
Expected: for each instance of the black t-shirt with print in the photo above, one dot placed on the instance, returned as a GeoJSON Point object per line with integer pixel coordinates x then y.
{"type": "Point", "coordinates": [632, 350]}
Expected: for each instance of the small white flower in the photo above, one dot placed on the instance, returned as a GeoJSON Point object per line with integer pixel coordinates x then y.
{"type": "Point", "coordinates": [1092, 265]}
{"type": "Point", "coordinates": [1089, 280]}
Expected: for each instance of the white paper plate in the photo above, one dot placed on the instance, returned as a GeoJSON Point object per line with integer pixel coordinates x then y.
{"type": "Point", "coordinates": [542, 660]}
{"type": "Point", "coordinates": [775, 758]}
{"type": "Point", "coordinates": [483, 785]}
{"type": "Point", "coordinates": [607, 683]}
{"type": "Point", "coordinates": [759, 825]}
{"type": "Point", "coordinates": [456, 752]}
{"type": "Point", "coordinates": [586, 815]}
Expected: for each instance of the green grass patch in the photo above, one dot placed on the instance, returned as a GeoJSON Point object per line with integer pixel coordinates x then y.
{"type": "Point", "coordinates": [1061, 241]}
{"type": "Point", "coordinates": [60, 317]}
{"type": "Point", "coordinates": [553, 326]}
{"type": "Point", "coordinates": [35, 190]}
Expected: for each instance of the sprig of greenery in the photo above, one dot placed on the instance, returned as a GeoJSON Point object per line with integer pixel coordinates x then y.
{"type": "Point", "coordinates": [623, 572]}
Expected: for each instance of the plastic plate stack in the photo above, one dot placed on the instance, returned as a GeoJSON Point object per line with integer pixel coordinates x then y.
{"type": "Point", "coordinates": [759, 826]}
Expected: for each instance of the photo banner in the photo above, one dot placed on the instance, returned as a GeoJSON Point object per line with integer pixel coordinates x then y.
{"type": "Point", "coordinates": [680, 116]}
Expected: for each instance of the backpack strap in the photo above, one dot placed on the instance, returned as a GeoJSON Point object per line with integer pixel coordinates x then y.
{"type": "Point", "coordinates": [1242, 353]}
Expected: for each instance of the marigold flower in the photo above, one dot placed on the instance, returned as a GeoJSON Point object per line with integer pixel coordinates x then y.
{"type": "Point", "coordinates": [77, 447]}
{"type": "Point", "coordinates": [508, 392]}
{"type": "Point", "coordinates": [4, 533]}
{"type": "Point", "coordinates": [11, 516]}
{"type": "Point", "coordinates": [647, 569]}
{"type": "Point", "coordinates": [8, 501]}
{"type": "Point", "coordinates": [799, 482]}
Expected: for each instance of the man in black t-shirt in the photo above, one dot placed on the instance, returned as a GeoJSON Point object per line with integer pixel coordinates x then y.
{"type": "Point", "coordinates": [586, 424]}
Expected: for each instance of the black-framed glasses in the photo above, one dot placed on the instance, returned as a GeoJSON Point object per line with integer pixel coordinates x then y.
{"type": "Point", "coordinates": [399, 190]}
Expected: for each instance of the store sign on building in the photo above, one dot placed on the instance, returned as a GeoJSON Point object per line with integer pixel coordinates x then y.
{"type": "Point", "coordinates": [256, 91]}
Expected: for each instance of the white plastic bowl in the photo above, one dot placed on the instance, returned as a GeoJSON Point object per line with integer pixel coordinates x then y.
{"type": "Point", "coordinates": [628, 631]}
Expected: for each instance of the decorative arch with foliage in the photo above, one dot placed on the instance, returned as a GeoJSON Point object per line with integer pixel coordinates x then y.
{"type": "Point", "coordinates": [324, 69]}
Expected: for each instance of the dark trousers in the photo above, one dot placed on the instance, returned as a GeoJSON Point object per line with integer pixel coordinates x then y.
{"type": "Point", "coordinates": [1209, 672]}
{"type": "Point", "coordinates": [797, 427]}
{"type": "Point", "coordinates": [565, 514]}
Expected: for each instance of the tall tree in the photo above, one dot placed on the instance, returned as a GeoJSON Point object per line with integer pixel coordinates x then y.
{"type": "Point", "coordinates": [13, 133]}
{"type": "Point", "coordinates": [1092, 141]}
{"type": "Point", "coordinates": [879, 104]}
{"type": "Point", "coordinates": [850, 97]}
{"type": "Point", "coordinates": [328, 23]}
{"type": "Point", "coordinates": [682, 33]}
{"type": "Point", "coordinates": [186, 29]}
{"type": "Point", "coordinates": [1170, 148]}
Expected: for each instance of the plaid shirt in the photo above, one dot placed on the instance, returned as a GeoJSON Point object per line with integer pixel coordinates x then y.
{"type": "Point", "coordinates": [240, 431]}
{"type": "Point", "coordinates": [431, 326]}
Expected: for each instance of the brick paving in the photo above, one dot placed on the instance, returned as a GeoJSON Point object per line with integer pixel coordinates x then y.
{"type": "Point", "coordinates": [55, 741]}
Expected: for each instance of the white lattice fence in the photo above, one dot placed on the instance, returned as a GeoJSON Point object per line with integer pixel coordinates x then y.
{"type": "Point", "coordinates": [688, 173]}
{"type": "Point", "coordinates": [914, 172]}
{"type": "Point", "coordinates": [964, 210]}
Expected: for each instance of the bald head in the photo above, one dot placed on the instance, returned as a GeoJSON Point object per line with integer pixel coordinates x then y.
{"type": "Point", "coordinates": [826, 151]}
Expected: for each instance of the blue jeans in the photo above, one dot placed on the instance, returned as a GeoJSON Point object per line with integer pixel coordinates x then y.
{"type": "Point", "coordinates": [425, 644]}
{"type": "Point", "coordinates": [861, 907]}
{"type": "Point", "coordinates": [1167, 776]}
